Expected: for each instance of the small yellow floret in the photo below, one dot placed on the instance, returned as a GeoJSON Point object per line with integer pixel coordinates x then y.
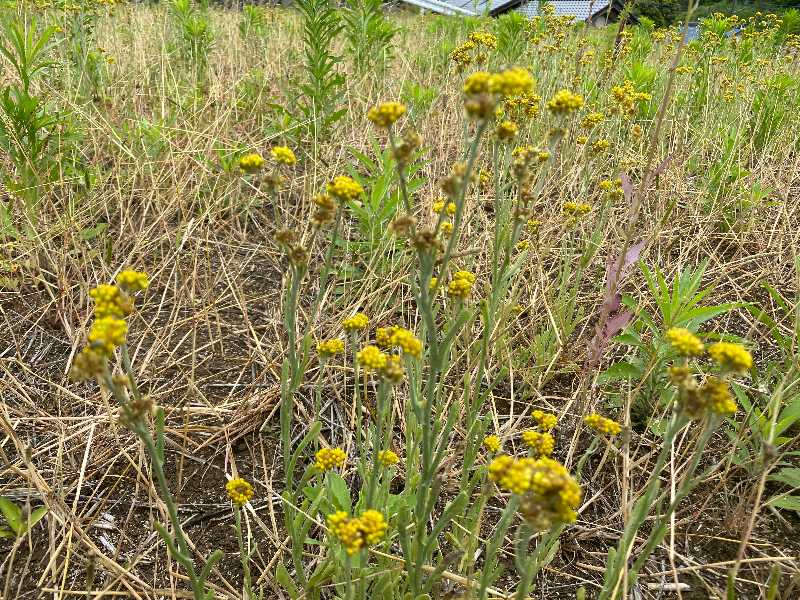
{"type": "Point", "coordinates": [239, 491]}
{"type": "Point", "coordinates": [329, 458]}
{"type": "Point", "coordinates": [731, 357]}
{"type": "Point", "coordinates": [685, 342]}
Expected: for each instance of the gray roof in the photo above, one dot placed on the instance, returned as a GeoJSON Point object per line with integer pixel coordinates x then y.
{"type": "Point", "coordinates": [582, 9]}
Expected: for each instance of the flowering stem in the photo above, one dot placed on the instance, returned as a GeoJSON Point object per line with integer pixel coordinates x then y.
{"type": "Point", "coordinates": [244, 555]}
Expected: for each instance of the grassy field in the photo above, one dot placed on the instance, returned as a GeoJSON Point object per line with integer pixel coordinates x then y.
{"type": "Point", "coordinates": [396, 306]}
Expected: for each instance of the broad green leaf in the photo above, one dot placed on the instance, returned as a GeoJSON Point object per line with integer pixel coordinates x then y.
{"type": "Point", "coordinates": [787, 503]}
{"type": "Point", "coordinates": [618, 371]}
{"type": "Point", "coordinates": [340, 491]}
{"type": "Point", "coordinates": [790, 477]}
{"type": "Point", "coordinates": [13, 515]}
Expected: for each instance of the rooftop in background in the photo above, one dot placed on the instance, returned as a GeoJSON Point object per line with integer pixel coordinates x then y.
{"type": "Point", "coordinates": [594, 11]}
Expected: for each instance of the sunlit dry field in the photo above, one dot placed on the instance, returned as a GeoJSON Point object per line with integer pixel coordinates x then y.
{"type": "Point", "coordinates": [315, 302]}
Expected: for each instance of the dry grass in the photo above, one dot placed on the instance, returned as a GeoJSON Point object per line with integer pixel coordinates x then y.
{"type": "Point", "coordinates": [207, 338]}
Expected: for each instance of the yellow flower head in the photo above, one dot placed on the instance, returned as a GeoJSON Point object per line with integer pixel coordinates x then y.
{"type": "Point", "coordinates": [512, 82]}
{"type": "Point", "coordinates": [371, 358]}
{"type": "Point", "coordinates": [393, 370]}
{"type": "Point", "coordinates": [491, 443]}
{"type": "Point", "coordinates": [329, 458]}
{"type": "Point", "coordinates": [477, 83]}
{"type": "Point", "coordinates": [88, 364]}
{"type": "Point", "coordinates": [330, 347]}
{"type": "Point", "coordinates": [388, 458]}
{"type": "Point", "coordinates": [542, 444]}
{"type": "Point", "coordinates": [512, 474]}
{"type": "Point", "coordinates": [483, 38]}
{"type": "Point", "coordinates": [406, 341]}
{"type": "Point", "coordinates": [592, 120]}
{"type": "Point", "coordinates": [345, 188]}
{"type": "Point", "coordinates": [106, 334]}
{"type": "Point", "coordinates": [685, 342]}
{"type": "Point", "coordinates": [545, 421]}
{"type": "Point", "coordinates": [553, 495]}
{"type": "Point", "coordinates": [446, 228]}
{"type": "Point", "coordinates": [600, 146]}
{"type": "Point", "coordinates": [449, 207]}
{"type": "Point", "coordinates": [432, 284]}
{"type": "Point", "coordinates": [357, 322]}
{"type": "Point", "coordinates": [602, 425]}
{"type": "Point", "coordinates": [731, 357]}
{"type": "Point", "coordinates": [717, 395]}
{"type": "Point", "coordinates": [506, 131]}
{"type": "Point", "coordinates": [386, 114]}
{"type": "Point", "coordinates": [239, 491]}
{"type": "Point", "coordinates": [110, 301]}
{"type": "Point", "coordinates": [251, 163]}
{"type": "Point", "coordinates": [355, 534]}
{"type": "Point", "coordinates": [461, 284]}
{"type": "Point", "coordinates": [564, 102]}
{"type": "Point", "coordinates": [283, 155]}
{"type": "Point", "coordinates": [132, 281]}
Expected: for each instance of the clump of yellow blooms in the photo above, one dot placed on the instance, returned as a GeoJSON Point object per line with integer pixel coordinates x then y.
{"type": "Point", "coordinates": [110, 301]}
{"type": "Point", "coordinates": [574, 212]}
{"type": "Point", "coordinates": [600, 146]}
{"type": "Point", "coordinates": [602, 425]}
{"type": "Point", "coordinates": [685, 342]}
{"type": "Point", "coordinates": [372, 358]}
{"type": "Point", "coordinates": [440, 205]}
{"type": "Point", "coordinates": [461, 284]}
{"type": "Point", "coordinates": [506, 130]}
{"type": "Point", "coordinates": [344, 188]}
{"type": "Point", "coordinates": [357, 322]}
{"type": "Point", "coordinates": [564, 102]}
{"type": "Point", "coordinates": [388, 458]}
{"type": "Point", "coordinates": [283, 155]}
{"type": "Point", "coordinates": [491, 443]}
{"type": "Point", "coordinates": [511, 82]}
{"type": "Point", "coordinates": [446, 228]}
{"type": "Point", "coordinates": [627, 98]}
{"type": "Point", "coordinates": [483, 90]}
{"type": "Point", "coordinates": [328, 348]}
{"type": "Point", "coordinates": [483, 38]}
{"type": "Point", "coordinates": [592, 120]}
{"type": "Point", "coordinates": [613, 188]}
{"type": "Point", "coordinates": [132, 281]}
{"type": "Point", "coordinates": [107, 333]}
{"type": "Point", "coordinates": [251, 163]}
{"type": "Point", "coordinates": [239, 491]}
{"type": "Point", "coordinates": [545, 421]}
{"type": "Point", "coordinates": [550, 493]}
{"type": "Point", "coordinates": [329, 458]}
{"type": "Point", "coordinates": [718, 396]}
{"type": "Point", "coordinates": [406, 341]}
{"type": "Point", "coordinates": [386, 114]}
{"type": "Point", "coordinates": [393, 371]}
{"type": "Point", "coordinates": [356, 533]}
{"type": "Point", "coordinates": [731, 357]}
{"type": "Point", "coordinates": [696, 401]}
{"type": "Point", "coordinates": [541, 443]}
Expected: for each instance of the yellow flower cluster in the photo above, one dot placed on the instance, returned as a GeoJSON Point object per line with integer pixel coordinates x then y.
{"type": "Point", "coordinates": [483, 38]}
{"type": "Point", "coordinates": [541, 444]}
{"type": "Point", "coordinates": [506, 130]}
{"type": "Point", "coordinates": [511, 82]}
{"type": "Point", "coordinates": [592, 120]}
{"type": "Point", "coordinates": [283, 155]}
{"type": "Point", "coordinates": [600, 146]}
{"type": "Point", "coordinates": [491, 443]}
{"type": "Point", "coordinates": [713, 396]}
{"type": "Point", "coordinates": [388, 458]}
{"type": "Point", "coordinates": [356, 533]}
{"type": "Point", "coordinates": [627, 98]}
{"type": "Point", "coordinates": [106, 333]}
{"type": "Point", "coordinates": [401, 338]}
{"type": "Point", "coordinates": [330, 347]}
{"type": "Point", "coordinates": [132, 281]}
{"type": "Point", "coordinates": [345, 188]}
{"type": "Point", "coordinates": [685, 342]}
{"type": "Point", "coordinates": [545, 421]}
{"type": "Point", "coordinates": [239, 491]}
{"type": "Point", "coordinates": [564, 102]}
{"type": "Point", "coordinates": [551, 494]}
{"type": "Point", "coordinates": [483, 90]}
{"type": "Point", "coordinates": [731, 357]}
{"type": "Point", "coordinates": [602, 425]}
{"type": "Point", "coordinates": [357, 322]}
{"type": "Point", "coordinates": [325, 210]}
{"type": "Point", "coordinates": [448, 207]}
{"type": "Point", "coordinates": [329, 458]}
{"type": "Point", "coordinates": [461, 284]}
{"type": "Point", "coordinates": [386, 114]}
{"type": "Point", "coordinates": [574, 212]}
{"type": "Point", "coordinates": [110, 301]}
{"type": "Point", "coordinates": [393, 371]}
{"type": "Point", "coordinates": [525, 105]}
{"type": "Point", "coordinates": [251, 163]}
{"type": "Point", "coordinates": [613, 188]}
{"type": "Point", "coordinates": [371, 358]}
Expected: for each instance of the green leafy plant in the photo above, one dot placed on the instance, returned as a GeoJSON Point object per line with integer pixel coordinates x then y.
{"type": "Point", "coordinates": [369, 35]}
{"type": "Point", "coordinates": [17, 521]}
{"type": "Point", "coordinates": [510, 30]}
{"type": "Point", "coordinates": [319, 92]}
{"type": "Point", "coordinates": [195, 37]}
